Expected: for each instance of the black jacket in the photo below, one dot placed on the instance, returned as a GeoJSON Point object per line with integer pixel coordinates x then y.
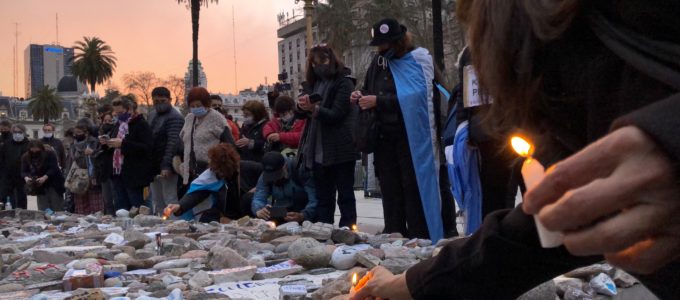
{"type": "Point", "coordinates": [136, 149]}
{"type": "Point", "coordinates": [504, 258]}
{"type": "Point", "coordinates": [10, 159]}
{"type": "Point", "coordinates": [165, 130]}
{"type": "Point", "coordinates": [254, 133]}
{"type": "Point", "coordinates": [337, 118]}
{"type": "Point", "coordinates": [49, 167]}
{"type": "Point", "coordinates": [380, 82]}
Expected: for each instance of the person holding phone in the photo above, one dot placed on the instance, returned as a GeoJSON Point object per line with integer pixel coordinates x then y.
{"type": "Point", "coordinates": [292, 194]}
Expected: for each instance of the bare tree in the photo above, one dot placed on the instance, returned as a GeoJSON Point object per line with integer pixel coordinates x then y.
{"type": "Point", "coordinates": [176, 86]}
{"type": "Point", "coordinates": [140, 84]}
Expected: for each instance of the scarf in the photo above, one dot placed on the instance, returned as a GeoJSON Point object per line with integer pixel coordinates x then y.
{"type": "Point", "coordinates": [118, 154]}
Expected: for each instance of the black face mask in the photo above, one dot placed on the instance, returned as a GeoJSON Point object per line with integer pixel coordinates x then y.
{"type": "Point", "coordinates": [79, 138]}
{"type": "Point", "coordinates": [6, 134]}
{"type": "Point", "coordinates": [106, 128]}
{"type": "Point", "coordinates": [162, 108]}
{"type": "Point", "coordinates": [322, 70]}
{"type": "Point", "coordinates": [35, 154]}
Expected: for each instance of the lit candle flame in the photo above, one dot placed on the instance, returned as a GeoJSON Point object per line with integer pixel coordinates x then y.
{"type": "Point", "coordinates": [354, 279]}
{"type": "Point", "coordinates": [164, 218]}
{"type": "Point", "coordinates": [354, 227]}
{"type": "Point", "coordinates": [522, 146]}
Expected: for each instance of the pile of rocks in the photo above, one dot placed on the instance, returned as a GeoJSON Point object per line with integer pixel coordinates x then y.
{"type": "Point", "coordinates": [140, 256]}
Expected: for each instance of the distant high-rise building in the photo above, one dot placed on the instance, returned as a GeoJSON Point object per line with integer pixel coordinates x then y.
{"type": "Point", "coordinates": [292, 48]}
{"type": "Point", "coordinates": [46, 65]}
{"type": "Point", "coordinates": [188, 79]}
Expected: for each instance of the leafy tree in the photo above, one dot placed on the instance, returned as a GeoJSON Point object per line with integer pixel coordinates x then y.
{"type": "Point", "coordinates": [46, 104]}
{"type": "Point", "coordinates": [141, 84]}
{"type": "Point", "coordinates": [94, 62]}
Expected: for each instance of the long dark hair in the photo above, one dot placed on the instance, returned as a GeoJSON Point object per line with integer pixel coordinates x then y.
{"type": "Point", "coordinates": [321, 53]}
{"type": "Point", "coordinates": [26, 158]}
{"type": "Point", "coordinates": [505, 38]}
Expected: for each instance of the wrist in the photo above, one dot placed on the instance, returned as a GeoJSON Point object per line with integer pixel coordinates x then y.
{"type": "Point", "coordinates": [399, 286]}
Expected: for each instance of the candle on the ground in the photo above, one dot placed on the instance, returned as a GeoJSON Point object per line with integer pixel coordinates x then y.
{"type": "Point", "coordinates": [533, 172]}
{"type": "Point", "coordinates": [354, 227]}
{"type": "Point", "coordinates": [354, 283]}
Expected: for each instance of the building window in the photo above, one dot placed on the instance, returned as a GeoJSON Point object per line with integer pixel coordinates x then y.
{"type": "Point", "coordinates": [299, 69]}
{"type": "Point", "coordinates": [291, 57]}
{"type": "Point", "coordinates": [298, 55]}
{"type": "Point", "coordinates": [297, 42]}
{"type": "Point", "coordinates": [283, 61]}
{"type": "Point", "coordinates": [290, 45]}
{"type": "Point", "coordinates": [35, 133]}
{"type": "Point", "coordinates": [23, 115]}
{"type": "Point", "coordinates": [291, 70]}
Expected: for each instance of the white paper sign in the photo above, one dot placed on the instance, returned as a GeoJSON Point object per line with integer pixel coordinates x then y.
{"type": "Point", "coordinates": [471, 90]}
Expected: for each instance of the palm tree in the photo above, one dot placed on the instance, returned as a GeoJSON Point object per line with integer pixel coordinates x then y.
{"type": "Point", "coordinates": [195, 6]}
{"type": "Point", "coordinates": [95, 63]}
{"type": "Point", "coordinates": [46, 105]}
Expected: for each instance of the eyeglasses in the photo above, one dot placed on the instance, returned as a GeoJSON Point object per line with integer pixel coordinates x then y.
{"type": "Point", "coordinates": [322, 45]}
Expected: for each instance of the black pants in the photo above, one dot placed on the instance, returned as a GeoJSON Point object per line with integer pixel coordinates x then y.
{"type": "Point", "coordinates": [498, 175]}
{"type": "Point", "coordinates": [402, 207]}
{"type": "Point", "coordinates": [17, 195]}
{"type": "Point", "coordinates": [330, 180]}
{"type": "Point", "coordinates": [448, 206]}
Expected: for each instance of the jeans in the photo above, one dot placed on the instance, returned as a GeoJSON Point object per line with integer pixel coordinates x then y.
{"type": "Point", "coordinates": [127, 197]}
{"type": "Point", "coordinates": [330, 180]}
{"type": "Point", "coordinates": [163, 192]}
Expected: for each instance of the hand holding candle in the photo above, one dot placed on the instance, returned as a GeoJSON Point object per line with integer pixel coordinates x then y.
{"type": "Point", "coordinates": [533, 172]}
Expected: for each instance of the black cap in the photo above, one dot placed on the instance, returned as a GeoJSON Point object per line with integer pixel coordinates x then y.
{"type": "Point", "coordinates": [272, 166]}
{"type": "Point", "coordinates": [386, 31]}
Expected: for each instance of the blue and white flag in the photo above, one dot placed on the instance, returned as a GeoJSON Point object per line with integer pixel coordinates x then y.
{"type": "Point", "coordinates": [465, 181]}
{"type": "Point", "coordinates": [207, 181]}
{"type": "Point", "coordinates": [413, 76]}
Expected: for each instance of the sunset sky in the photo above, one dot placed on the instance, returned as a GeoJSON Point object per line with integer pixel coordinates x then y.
{"type": "Point", "coordinates": [151, 35]}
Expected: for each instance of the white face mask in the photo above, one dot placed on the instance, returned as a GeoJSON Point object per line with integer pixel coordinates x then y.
{"type": "Point", "coordinates": [288, 117]}
{"type": "Point", "coordinates": [248, 120]}
{"type": "Point", "coordinates": [48, 135]}
{"type": "Point", "coordinates": [18, 137]}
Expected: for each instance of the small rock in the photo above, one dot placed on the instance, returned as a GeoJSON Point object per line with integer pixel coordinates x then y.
{"type": "Point", "coordinates": [343, 258]}
{"type": "Point", "coordinates": [170, 264]}
{"type": "Point", "coordinates": [84, 263]}
{"type": "Point", "coordinates": [144, 254]}
{"type": "Point", "coordinates": [11, 287]}
{"type": "Point", "coordinates": [290, 227]}
{"type": "Point", "coordinates": [147, 221]}
{"type": "Point", "coordinates": [122, 257]}
{"type": "Point", "coordinates": [623, 279]}
{"type": "Point", "coordinates": [590, 271]}
{"type": "Point", "coordinates": [319, 231]}
{"type": "Point", "coordinates": [143, 210]}
{"type": "Point", "coordinates": [277, 271]}
{"type": "Point", "coordinates": [343, 236]}
{"type": "Point", "coordinates": [225, 258]}
{"type": "Point", "coordinates": [170, 279]}
{"type": "Point", "coordinates": [309, 253]}
{"type": "Point", "coordinates": [200, 280]}
{"type": "Point", "coordinates": [44, 256]}
{"type": "Point", "coordinates": [194, 254]}
{"type": "Point", "coordinates": [122, 213]}
{"type": "Point", "coordinates": [233, 275]}
{"type": "Point", "coordinates": [604, 285]}
{"type": "Point", "coordinates": [398, 265]}
{"type": "Point", "coordinates": [113, 282]}
{"type": "Point", "coordinates": [366, 259]}
{"type": "Point", "coordinates": [256, 260]}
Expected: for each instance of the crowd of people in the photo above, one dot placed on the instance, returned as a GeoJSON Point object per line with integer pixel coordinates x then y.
{"type": "Point", "coordinates": [297, 163]}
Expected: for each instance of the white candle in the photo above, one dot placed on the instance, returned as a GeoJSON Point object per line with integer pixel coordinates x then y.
{"type": "Point", "coordinates": [533, 172]}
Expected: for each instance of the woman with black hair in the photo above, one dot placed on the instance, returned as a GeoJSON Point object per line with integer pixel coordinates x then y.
{"type": "Point", "coordinates": [40, 170]}
{"type": "Point", "coordinates": [328, 146]}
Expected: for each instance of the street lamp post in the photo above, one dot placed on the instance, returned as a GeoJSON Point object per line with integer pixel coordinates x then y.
{"type": "Point", "coordinates": [309, 14]}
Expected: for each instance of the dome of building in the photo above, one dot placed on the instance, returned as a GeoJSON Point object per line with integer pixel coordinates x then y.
{"type": "Point", "coordinates": [67, 84]}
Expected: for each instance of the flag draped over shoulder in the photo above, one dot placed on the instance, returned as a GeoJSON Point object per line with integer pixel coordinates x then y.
{"type": "Point", "coordinates": [413, 77]}
{"type": "Point", "coordinates": [207, 181]}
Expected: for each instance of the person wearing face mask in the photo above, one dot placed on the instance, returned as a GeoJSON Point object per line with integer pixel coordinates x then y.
{"type": "Point", "coordinates": [398, 90]}
{"type": "Point", "coordinates": [281, 186]}
{"type": "Point", "coordinates": [5, 131]}
{"type": "Point", "coordinates": [103, 162]}
{"type": "Point", "coordinates": [166, 124]}
{"type": "Point", "coordinates": [203, 128]}
{"type": "Point", "coordinates": [328, 147]}
{"type": "Point", "coordinates": [251, 144]}
{"type": "Point", "coordinates": [39, 168]}
{"type": "Point", "coordinates": [233, 129]}
{"type": "Point", "coordinates": [81, 153]}
{"type": "Point", "coordinates": [284, 131]}
{"type": "Point", "coordinates": [10, 156]}
{"type": "Point", "coordinates": [130, 143]}
{"type": "Point", "coordinates": [56, 144]}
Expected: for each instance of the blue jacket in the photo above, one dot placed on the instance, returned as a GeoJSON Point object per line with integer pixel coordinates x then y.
{"type": "Point", "coordinates": [296, 195]}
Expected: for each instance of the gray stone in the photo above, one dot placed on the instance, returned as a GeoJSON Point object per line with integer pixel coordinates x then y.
{"type": "Point", "coordinates": [172, 249]}
{"type": "Point", "coordinates": [591, 271]}
{"type": "Point", "coordinates": [170, 264]}
{"type": "Point", "coordinates": [367, 259]}
{"type": "Point", "coordinates": [271, 234]}
{"type": "Point", "coordinates": [343, 258]}
{"type": "Point", "coordinates": [179, 286]}
{"type": "Point", "coordinates": [134, 211]}
{"type": "Point", "coordinates": [279, 270]}
{"type": "Point", "coordinates": [195, 254]}
{"type": "Point", "coordinates": [338, 287]}
{"type": "Point", "coordinates": [38, 274]}
{"type": "Point", "coordinates": [136, 239]}
{"type": "Point", "coordinates": [122, 213]}
{"type": "Point", "coordinates": [290, 227]}
{"type": "Point", "coordinates": [256, 260]}
{"type": "Point", "coordinates": [144, 254]}
{"type": "Point", "coordinates": [11, 287]}
{"type": "Point", "coordinates": [122, 257]}
{"type": "Point", "coordinates": [143, 210]}
{"type": "Point", "coordinates": [282, 248]}
{"type": "Point", "coordinates": [170, 279]}
{"type": "Point", "coordinates": [113, 282]}
{"type": "Point", "coordinates": [309, 253]}
{"type": "Point", "coordinates": [546, 290]}
{"type": "Point", "coordinates": [225, 258]}
{"type": "Point", "coordinates": [398, 265]}
{"type": "Point", "coordinates": [200, 280]}
{"type": "Point", "coordinates": [147, 221]}
{"type": "Point", "coordinates": [319, 231]}
{"type": "Point", "coordinates": [188, 243]}
{"type": "Point", "coordinates": [84, 263]}
{"type": "Point", "coordinates": [343, 236]}
{"type": "Point", "coordinates": [233, 275]}
{"type": "Point", "coordinates": [392, 251]}
{"type": "Point", "coordinates": [623, 279]}
{"type": "Point", "coordinates": [51, 257]}
{"type": "Point", "coordinates": [121, 268]}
